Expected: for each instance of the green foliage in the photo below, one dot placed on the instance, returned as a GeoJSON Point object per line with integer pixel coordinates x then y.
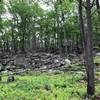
{"type": "Point", "coordinates": [44, 87]}
{"type": "Point", "coordinates": [54, 26]}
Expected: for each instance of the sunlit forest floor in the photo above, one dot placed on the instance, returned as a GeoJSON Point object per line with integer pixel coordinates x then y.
{"type": "Point", "coordinates": [46, 86]}
{"type": "Point", "coordinates": [50, 84]}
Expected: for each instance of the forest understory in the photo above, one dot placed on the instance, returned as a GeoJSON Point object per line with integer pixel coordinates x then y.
{"type": "Point", "coordinates": [34, 76]}
{"type": "Point", "coordinates": [49, 49]}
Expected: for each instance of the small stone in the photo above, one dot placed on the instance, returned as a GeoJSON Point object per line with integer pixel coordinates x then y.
{"type": "Point", "coordinates": [67, 61]}
{"type": "Point", "coordinates": [10, 78]}
{"type": "Point", "coordinates": [82, 81]}
{"type": "Point", "coordinates": [56, 61]}
{"type": "Point", "coordinates": [50, 71]}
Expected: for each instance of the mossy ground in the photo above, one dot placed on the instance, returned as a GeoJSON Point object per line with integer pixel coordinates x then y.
{"type": "Point", "coordinates": [44, 86]}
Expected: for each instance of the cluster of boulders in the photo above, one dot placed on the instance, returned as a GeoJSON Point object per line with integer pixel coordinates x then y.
{"type": "Point", "coordinates": [33, 61]}
{"type": "Point", "coordinates": [19, 63]}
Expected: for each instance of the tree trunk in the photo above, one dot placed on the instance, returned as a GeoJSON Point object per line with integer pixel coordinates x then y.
{"type": "Point", "coordinates": [89, 48]}
{"type": "Point", "coordinates": [81, 24]}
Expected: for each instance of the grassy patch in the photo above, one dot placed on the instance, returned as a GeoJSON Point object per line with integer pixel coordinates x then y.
{"type": "Point", "coordinates": [44, 86]}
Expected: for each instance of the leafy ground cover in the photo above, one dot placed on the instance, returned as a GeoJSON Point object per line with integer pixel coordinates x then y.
{"type": "Point", "coordinates": [44, 86]}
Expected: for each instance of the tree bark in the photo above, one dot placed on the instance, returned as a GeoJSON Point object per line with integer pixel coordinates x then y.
{"type": "Point", "coordinates": [81, 24]}
{"type": "Point", "coordinates": [89, 48]}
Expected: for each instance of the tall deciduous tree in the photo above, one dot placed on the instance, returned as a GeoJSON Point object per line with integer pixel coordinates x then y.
{"type": "Point", "coordinates": [88, 45]}
{"type": "Point", "coordinates": [89, 48]}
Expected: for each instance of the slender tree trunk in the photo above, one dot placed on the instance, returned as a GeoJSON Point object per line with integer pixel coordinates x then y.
{"type": "Point", "coordinates": [89, 48]}
{"type": "Point", "coordinates": [59, 40]}
{"type": "Point", "coordinates": [81, 24]}
{"type": "Point", "coordinates": [13, 40]}
{"type": "Point", "coordinates": [34, 45]}
{"type": "Point", "coordinates": [87, 42]}
{"type": "Point", "coordinates": [7, 46]}
{"type": "Point", "coordinates": [23, 40]}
